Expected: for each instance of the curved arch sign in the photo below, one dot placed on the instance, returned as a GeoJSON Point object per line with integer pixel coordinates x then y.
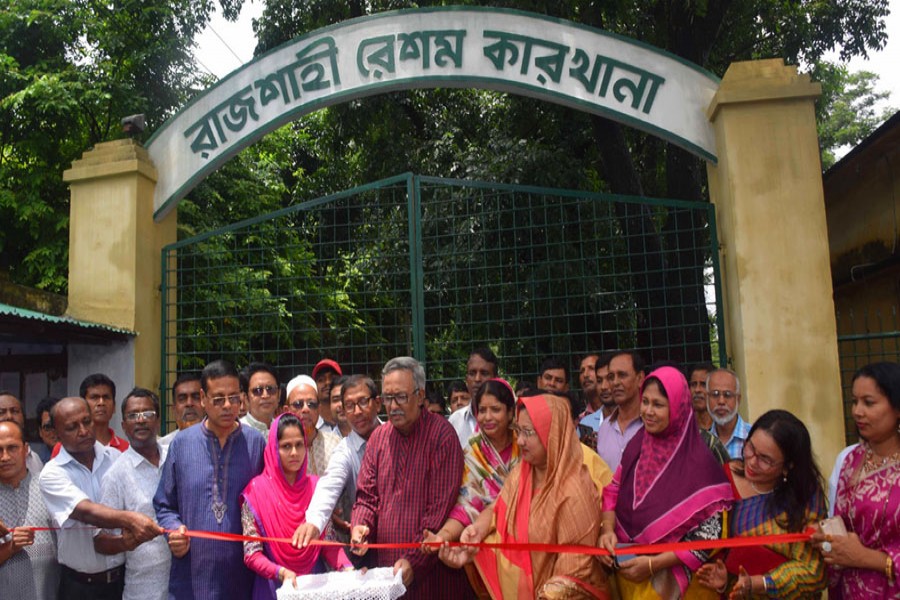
{"type": "Point", "coordinates": [508, 51]}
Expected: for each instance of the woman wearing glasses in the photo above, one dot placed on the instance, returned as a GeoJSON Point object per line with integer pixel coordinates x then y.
{"type": "Point", "coordinates": [549, 498]}
{"type": "Point", "coordinates": [780, 491]}
{"type": "Point", "coordinates": [489, 457]}
{"type": "Point", "coordinates": [274, 504]}
{"type": "Point", "coordinates": [863, 562]}
{"type": "Point", "coordinates": [666, 464]}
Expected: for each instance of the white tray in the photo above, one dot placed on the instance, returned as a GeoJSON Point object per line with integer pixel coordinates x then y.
{"type": "Point", "coordinates": [375, 584]}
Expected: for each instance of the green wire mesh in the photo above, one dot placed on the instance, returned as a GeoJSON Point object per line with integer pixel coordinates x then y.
{"type": "Point", "coordinates": [434, 268]}
{"type": "Point", "coordinates": [873, 336]}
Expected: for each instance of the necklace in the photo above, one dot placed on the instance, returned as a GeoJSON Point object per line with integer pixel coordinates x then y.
{"type": "Point", "coordinates": [872, 460]}
{"type": "Point", "coordinates": [759, 491]}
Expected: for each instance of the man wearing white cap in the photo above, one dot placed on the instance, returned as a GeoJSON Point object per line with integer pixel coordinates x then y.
{"type": "Point", "coordinates": [325, 373]}
{"type": "Point", "coordinates": [303, 401]}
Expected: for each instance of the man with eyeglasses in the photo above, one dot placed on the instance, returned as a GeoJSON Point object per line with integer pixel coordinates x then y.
{"type": "Point", "coordinates": [409, 482]}
{"type": "Point", "coordinates": [264, 396]}
{"type": "Point", "coordinates": [303, 401]}
{"type": "Point", "coordinates": [206, 469]}
{"type": "Point", "coordinates": [361, 405]}
{"type": "Point", "coordinates": [185, 404]}
{"type": "Point", "coordinates": [11, 410]}
{"type": "Point", "coordinates": [130, 485]}
{"type": "Point", "coordinates": [723, 398]}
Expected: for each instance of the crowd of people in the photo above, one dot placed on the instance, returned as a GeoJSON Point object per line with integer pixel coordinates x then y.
{"type": "Point", "coordinates": [642, 455]}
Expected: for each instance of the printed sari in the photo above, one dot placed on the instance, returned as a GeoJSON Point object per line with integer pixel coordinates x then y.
{"type": "Point", "coordinates": [565, 510]}
{"type": "Point", "coordinates": [485, 470]}
{"type": "Point", "coordinates": [869, 503]}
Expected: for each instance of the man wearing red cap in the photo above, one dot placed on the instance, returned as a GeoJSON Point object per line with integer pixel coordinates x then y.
{"type": "Point", "coordinates": [325, 373]}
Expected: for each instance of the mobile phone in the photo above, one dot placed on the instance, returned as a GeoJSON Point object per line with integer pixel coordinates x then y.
{"type": "Point", "coordinates": [833, 526]}
{"type": "Point", "coordinates": [619, 557]}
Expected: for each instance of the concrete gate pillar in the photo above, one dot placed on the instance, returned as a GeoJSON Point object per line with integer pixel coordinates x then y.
{"type": "Point", "coordinates": [115, 248]}
{"type": "Point", "coordinates": [767, 188]}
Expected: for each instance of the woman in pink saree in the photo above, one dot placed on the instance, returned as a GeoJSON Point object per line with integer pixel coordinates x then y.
{"type": "Point", "coordinates": [863, 563]}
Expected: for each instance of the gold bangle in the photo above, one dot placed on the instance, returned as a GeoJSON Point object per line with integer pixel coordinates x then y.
{"type": "Point", "coordinates": [651, 567]}
{"type": "Point", "coordinates": [889, 569]}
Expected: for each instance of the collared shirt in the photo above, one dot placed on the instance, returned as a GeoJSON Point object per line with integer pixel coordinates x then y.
{"type": "Point", "coordinates": [130, 485]}
{"type": "Point", "coordinates": [114, 442]}
{"type": "Point", "coordinates": [256, 424]}
{"type": "Point", "coordinates": [165, 440]}
{"type": "Point", "coordinates": [33, 462]}
{"type": "Point", "coordinates": [611, 440]}
{"type": "Point", "coordinates": [65, 483]}
{"type": "Point", "coordinates": [465, 424]}
{"type": "Point", "coordinates": [340, 477]}
{"type": "Point", "coordinates": [212, 570]}
{"type": "Point", "coordinates": [408, 483]}
{"type": "Point", "coordinates": [323, 425]}
{"type": "Point", "coordinates": [592, 420]}
{"type": "Point", "coordinates": [735, 444]}
{"type": "Point", "coordinates": [33, 573]}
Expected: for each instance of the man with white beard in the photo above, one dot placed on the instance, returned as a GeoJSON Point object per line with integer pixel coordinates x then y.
{"type": "Point", "coordinates": [723, 397]}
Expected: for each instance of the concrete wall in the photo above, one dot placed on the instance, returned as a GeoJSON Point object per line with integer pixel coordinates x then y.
{"type": "Point", "coordinates": [114, 360]}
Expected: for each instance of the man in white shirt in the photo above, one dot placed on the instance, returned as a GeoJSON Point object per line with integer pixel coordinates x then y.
{"type": "Point", "coordinates": [70, 485]}
{"type": "Point", "coordinates": [481, 366]}
{"type": "Point", "coordinates": [130, 484]}
{"type": "Point", "coordinates": [263, 394]}
{"type": "Point", "coordinates": [361, 405]}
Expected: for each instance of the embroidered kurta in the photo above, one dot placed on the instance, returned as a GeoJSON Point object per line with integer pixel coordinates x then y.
{"type": "Point", "coordinates": [211, 569]}
{"type": "Point", "coordinates": [409, 483]}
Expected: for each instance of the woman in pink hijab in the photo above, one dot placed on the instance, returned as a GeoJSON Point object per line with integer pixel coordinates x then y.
{"type": "Point", "coordinates": [274, 503]}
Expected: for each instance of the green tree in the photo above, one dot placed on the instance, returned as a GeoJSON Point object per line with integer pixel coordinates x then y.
{"type": "Point", "coordinates": [69, 71]}
{"type": "Point", "coordinates": [848, 110]}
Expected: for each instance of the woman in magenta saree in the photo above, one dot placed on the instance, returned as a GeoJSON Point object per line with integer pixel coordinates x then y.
{"type": "Point", "coordinates": [864, 562]}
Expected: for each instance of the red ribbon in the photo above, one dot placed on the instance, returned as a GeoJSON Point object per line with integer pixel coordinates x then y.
{"type": "Point", "coordinates": [735, 542]}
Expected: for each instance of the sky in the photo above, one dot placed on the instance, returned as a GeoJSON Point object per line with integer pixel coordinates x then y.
{"type": "Point", "coordinates": [224, 46]}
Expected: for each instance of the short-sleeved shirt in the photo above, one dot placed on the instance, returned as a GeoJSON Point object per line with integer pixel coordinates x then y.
{"type": "Point", "coordinates": [33, 573]}
{"type": "Point", "coordinates": [130, 485]}
{"type": "Point", "coordinates": [65, 483]}
{"type": "Point", "coordinates": [464, 424]}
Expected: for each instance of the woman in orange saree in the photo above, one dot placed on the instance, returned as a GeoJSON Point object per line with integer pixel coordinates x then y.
{"type": "Point", "coordinates": [549, 498]}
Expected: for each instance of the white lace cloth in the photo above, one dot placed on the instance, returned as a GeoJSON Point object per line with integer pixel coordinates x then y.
{"type": "Point", "coordinates": [375, 584]}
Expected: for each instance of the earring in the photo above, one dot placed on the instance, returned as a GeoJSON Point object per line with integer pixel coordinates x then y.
{"type": "Point", "coordinates": [784, 478]}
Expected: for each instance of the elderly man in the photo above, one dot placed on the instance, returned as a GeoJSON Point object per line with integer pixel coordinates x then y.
{"type": "Point", "coordinates": [28, 567]}
{"type": "Point", "coordinates": [409, 482]}
{"type": "Point", "coordinates": [626, 374]}
{"type": "Point", "coordinates": [361, 405]}
{"type": "Point", "coordinates": [723, 393]}
{"type": "Point", "coordinates": [11, 410]}
{"type": "Point", "coordinates": [130, 485]}
{"type": "Point", "coordinates": [481, 366]}
{"type": "Point", "coordinates": [303, 401]}
{"type": "Point", "coordinates": [206, 469]}
{"type": "Point", "coordinates": [186, 405]}
{"type": "Point", "coordinates": [263, 395]}
{"type": "Point", "coordinates": [70, 485]}
{"type": "Point", "coordinates": [324, 374]}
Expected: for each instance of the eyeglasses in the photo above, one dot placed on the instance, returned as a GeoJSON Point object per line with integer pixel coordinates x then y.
{"type": "Point", "coordinates": [362, 403]}
{"type": "Point", "coordinates": [727, 394]}
{"type": "Point", "coordinates": [524, 432]}
{"type": "Point", "coordinates": [399, 399]}
{"type": "Point", "coordinates": [766, 461]}
{"type": "Point", "coordinates": [138, 416]}
{"type": "Point", "coordinates": [298, 404]}
{"type": "Point", "coordinates": [269, 390]}
{"type": "Point", "coordinates": [219, 401]}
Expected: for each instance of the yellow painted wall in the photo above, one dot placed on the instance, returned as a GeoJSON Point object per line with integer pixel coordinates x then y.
{"type": "Point", "coordinates": [767, 187]}
{"type": "Point", "coordinates": [114, 247]}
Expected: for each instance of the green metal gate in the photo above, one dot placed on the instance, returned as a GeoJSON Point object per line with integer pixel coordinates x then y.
{"type": "Point", "coordinates": [434, 268]}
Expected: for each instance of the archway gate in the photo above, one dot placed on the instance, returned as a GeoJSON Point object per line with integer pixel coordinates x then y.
{"type": "Point", "coordinates": [756, 129]}
{"type": "Point", "coordinates": [434, 268]}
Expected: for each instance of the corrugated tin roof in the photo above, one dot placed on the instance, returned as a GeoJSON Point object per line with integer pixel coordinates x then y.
{"type": "Point", "coordinates": [23, 313]}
